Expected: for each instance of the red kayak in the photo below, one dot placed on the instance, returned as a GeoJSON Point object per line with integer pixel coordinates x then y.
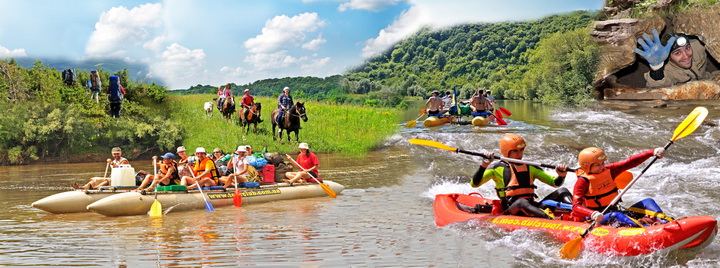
{"type": "Point", "coordinates": [690, 232]}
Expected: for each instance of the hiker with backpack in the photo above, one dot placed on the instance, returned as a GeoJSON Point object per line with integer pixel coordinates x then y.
{"type": "Point", "coordinates": [68, 77]}
{"type": "Point", "coordinates": [94, 84]}
{"type": "Point", "coordinates": [116, 93]}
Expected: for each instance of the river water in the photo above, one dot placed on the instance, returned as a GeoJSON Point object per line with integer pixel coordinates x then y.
{"type": "Point", "coordinates": [384, 217]}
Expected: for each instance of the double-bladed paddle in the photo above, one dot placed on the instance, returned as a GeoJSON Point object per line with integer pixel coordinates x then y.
{"type": "Point", "coordinates": [458, 150]}
{"type": "Point", "coordinates": [572, 248]}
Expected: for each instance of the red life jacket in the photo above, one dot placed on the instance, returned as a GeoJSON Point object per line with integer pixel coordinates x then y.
{"type": "Point", "coordinates": [601, 189]}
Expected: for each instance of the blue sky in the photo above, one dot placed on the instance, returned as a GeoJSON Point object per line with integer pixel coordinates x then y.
{"type": "Point", "coordinates": [188, 42]}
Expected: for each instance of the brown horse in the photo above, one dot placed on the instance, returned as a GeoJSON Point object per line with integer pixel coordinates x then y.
{"type": "Point", "coordinates": [228, 107]}
{"type": "Point", "coordinates": [290, 122]}
{"type": "Point", "coordinates": [253, 117]}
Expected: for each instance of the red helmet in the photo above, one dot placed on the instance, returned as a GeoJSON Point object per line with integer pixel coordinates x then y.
{"type": "Point", "coordinates": [511, 142]}
{"type": "Point", "coordinates": [590, 156]}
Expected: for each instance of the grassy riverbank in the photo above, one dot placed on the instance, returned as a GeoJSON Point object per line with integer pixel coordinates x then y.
{"type": "Point", "coordinates": [349, 130]}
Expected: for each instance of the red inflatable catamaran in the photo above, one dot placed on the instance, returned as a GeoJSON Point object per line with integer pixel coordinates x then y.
{"type": "Point", "coordinates": [684, 233]}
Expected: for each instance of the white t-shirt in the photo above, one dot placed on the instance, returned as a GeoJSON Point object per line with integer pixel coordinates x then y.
{"type": "Point", "coordinates": [238, 163]}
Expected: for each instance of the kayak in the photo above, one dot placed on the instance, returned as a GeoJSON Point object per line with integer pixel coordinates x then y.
{"type": "Point", "coordinates": [684, 233]}
{"type": "Point", "coordinates": [77, 200]}
{"type": "Point", "coordinates": [139, 203]}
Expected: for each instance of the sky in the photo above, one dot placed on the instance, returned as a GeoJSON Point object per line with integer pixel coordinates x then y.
{"type": "Point", "coordinates": [191, 42]}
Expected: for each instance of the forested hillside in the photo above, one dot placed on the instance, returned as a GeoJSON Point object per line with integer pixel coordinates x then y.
{"type": "Point", "coordinates": [302, 87]}
{"type": "Point", "coordinates": [43, 118]}
{"type": "Point", "coordinates": [497, 56]}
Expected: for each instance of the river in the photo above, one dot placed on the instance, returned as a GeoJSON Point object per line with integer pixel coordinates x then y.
{"type": "Point", "coordinates": [384, 217]}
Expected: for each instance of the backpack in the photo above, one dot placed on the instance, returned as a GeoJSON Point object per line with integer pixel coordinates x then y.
{"type": "Point", "coordinates": [94, 82]}
{"type": "Point", "coordinates": [115, 92]}
{"type": "Point", "coordinates": [68, 76]}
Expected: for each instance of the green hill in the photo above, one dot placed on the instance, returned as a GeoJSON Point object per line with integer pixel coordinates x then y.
{"type": "Point", "coordinates": [467, 57]}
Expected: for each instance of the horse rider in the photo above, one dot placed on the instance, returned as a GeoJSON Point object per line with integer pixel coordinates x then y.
{"type": "Point", "coordinates": [285, 102]}
{"type": "Point", "coordinates": [223, 93]}
{"type": "Point", "coordinates": [247, 103]}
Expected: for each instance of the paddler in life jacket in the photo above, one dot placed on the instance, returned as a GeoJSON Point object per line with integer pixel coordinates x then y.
{"type": "Point", "coordinates": [595, 188]}
{"type": "Point", "coordinates": [168, 174]}
{"type": "Point", "coordinates": [514, 183]}
{"type": "Point", "coordinates": [205, 172]}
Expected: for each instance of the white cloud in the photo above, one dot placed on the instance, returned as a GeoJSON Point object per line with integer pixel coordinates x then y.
{"type": "Point", "coordinates": [277, 60]}
{"type": "Point", "coordinates": [408, 22]}
{"type": "Point", "coordinates": [315, 43]}
{"type": "Point", "coordinates": [179, 66]}
{"type": "Point", "coordinates": [315, 64]}
{"type": "Point", "coordinates": [234, 72]}
{"type": "Point", "coordinates": [15, 53]}
{"type": "Point", "coordinates": [283, 31]}
{"type": "Point", "coordinates": [371, 5]}
{"type": "Point", "coordinates": [156, 44]}
{"type": "Point", "coordinates": [119, 28]}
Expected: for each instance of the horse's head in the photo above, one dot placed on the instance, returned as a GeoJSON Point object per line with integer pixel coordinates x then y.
{"type": "Point", "coordinates": [300, 108]}
{"type": "Point", "coordinates": [258, 106]}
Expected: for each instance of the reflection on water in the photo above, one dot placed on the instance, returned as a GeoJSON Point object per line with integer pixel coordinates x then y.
{"type": "Point", "coordinates": [384, 217]}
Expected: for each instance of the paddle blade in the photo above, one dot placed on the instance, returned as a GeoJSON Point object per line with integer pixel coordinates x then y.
{"type": "Point", "coordinates": [237, 198]}
{"type": "Point", "coordinates": [156, 209]}
{"type": "Point", "coordinates": [432, 144]}
{"type": "Point", "coordinates": [622, 180]}
{"type": "Point", "coordinates": [505, 111]}
{"type": "Point", "coordinates": [691, 123]}
{"type": "Point", "coordinates": [499, 119]}
{"type": "Point", "coordinates": [423, 111]}
{"type": "Point", "coordinates": [411, 123]}
{"type": "Point", "coordinates": [571, 249]}
{"type": "Point", "coordinates": [327, 190]}
{"type": "Point", "coordinates": [208, 206]}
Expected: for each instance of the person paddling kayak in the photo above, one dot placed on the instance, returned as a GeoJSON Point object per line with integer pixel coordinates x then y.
{"type": "Point", "coordinates": [595, 188]}
{"type": "Point", "coordinates": [514, 183]}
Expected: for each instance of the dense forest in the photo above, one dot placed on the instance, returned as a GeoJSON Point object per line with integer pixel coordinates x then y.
{"type": "Point", "coordinates": [512, 59]}
{"type": "Point", "coordinates": [551, 60]}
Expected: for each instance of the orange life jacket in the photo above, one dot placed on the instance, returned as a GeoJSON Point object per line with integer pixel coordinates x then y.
{"type": "Point", "coordinates": [518, 183]}
{"type": "Point", "coordinates": [601, 189]}
{"type": "Point", "coordinates": [164, 170]}
{"type": "Point", "coordinates": [200, 168]}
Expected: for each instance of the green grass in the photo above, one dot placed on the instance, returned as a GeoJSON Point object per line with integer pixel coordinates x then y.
{"type": "Point", "coordinates": [348, 130]}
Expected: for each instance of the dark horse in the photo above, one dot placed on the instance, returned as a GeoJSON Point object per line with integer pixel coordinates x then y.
{"type": "Point", "coordinates": [290, 121]}
{"type": "Point", "coordinates": [253, 117]}
{"type": "Point", "coordinates": [228, 107]}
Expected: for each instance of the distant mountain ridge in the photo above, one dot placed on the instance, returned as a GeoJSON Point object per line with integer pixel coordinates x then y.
{"type": "Point", "coordinates": [137, 71]}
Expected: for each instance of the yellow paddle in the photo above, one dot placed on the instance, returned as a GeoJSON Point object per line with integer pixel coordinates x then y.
{"type": "Point", "coordinates": [572, 248]}
{"type": "Point", "coordinates": [412, 123]}
{"type": "Point", "coordinates": [156, 208]}
{"type": "Point", "coordinates": [458, 150]}
{"type": "Point", "coordinates": [325, 188]}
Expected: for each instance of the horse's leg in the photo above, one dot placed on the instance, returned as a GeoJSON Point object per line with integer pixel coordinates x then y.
{"type": "Point", "coordinates": [297, 135]}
